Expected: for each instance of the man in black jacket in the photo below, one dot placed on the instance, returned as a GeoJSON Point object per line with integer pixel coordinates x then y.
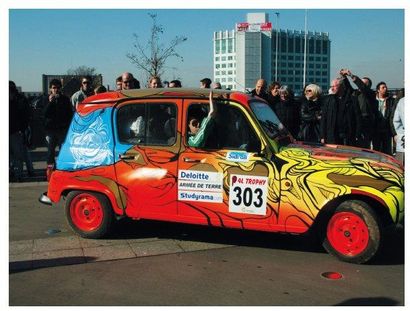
{"type": "Point", "coordinates": [367, 105]}
{"type": "Point", "coordinates": [340, 123]}
{"type": "Point", "coordinates": [260, 89]}
{"type": "Point", "coordinates": [19, 117]}
{"type": "Point", "coordinates": [57, 118]}
{"type": "Point", "coordinates": [384, 132]}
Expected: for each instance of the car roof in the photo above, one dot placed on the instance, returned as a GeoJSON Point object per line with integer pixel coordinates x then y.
{"type": "Point", "coordinates": [114, 97]}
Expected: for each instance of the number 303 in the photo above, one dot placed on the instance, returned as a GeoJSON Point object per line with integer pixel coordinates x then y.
{"type": "Point", "coordinates": [248, 197]}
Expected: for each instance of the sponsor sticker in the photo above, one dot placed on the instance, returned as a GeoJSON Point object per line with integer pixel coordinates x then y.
{"type": "Point", "coordinates": [200, 186]}
{"type": "Point", "coordinates": [248, 194]}
{"type": "Point", "coordinates": [237, 156]}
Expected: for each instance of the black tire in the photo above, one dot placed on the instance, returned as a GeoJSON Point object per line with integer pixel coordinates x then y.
{"type": "Point", "coordinates": [353, 233]}
{"type": "Point", "coordinates": [89, 214]}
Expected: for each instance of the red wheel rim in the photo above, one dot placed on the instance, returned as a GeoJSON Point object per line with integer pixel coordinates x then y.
{"type": "Point", "coordinates": [348, 233]}
{"type": "Point", "coordinates": [86, 212]}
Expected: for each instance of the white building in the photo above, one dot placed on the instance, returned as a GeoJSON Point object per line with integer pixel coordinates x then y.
{"type": "Point", "coordinates": [244, 55]}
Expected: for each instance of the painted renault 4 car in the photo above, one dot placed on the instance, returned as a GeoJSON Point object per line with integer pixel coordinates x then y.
{"type": "Point", "coordinates": [127, 154]}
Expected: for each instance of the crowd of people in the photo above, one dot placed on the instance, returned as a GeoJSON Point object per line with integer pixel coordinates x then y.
{"type": "Point", "coordinates": [355, 116]}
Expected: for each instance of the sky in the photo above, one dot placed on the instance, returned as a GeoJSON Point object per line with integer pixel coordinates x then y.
{"type": "Point", "coordinates": [49, 41]}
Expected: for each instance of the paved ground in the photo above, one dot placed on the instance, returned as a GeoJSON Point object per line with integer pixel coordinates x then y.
{"type": "Point", "coordinates": [227, 276]}
{"type": "Point", "coordinates": [37, 253]}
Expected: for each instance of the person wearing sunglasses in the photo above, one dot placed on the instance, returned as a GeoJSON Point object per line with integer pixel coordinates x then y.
{"type": "Point", "coordinates": [310, 114]}
{"type": "Point", "coordinates": [198, 130]}
{"type": "Point", "coordinates": [86, 90]}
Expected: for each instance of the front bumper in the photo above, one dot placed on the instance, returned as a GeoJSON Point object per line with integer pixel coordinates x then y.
{"type": "Point", "coordinates": [45, 199]}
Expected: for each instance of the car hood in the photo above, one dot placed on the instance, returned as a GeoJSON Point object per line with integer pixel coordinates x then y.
{"type": "Point", "coordinates": [344, 153]}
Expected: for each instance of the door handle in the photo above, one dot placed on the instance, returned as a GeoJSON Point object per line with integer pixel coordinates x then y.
{"type": "Point", "coordinates": [191, 160]}
{"type": "Point", "coordinates": [127, 157]}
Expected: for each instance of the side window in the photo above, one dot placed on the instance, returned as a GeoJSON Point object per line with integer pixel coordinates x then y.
{"type": "Point", "coordinates": [236, 132]}
{"type": "Point", "coordinates": [147, 124]}
{"type": "Point", "coordinates": [130, 125]}
{"type": "Point", "coordinates": [230, 129]}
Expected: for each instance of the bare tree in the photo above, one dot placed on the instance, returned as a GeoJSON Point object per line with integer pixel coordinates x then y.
{"type": "Point", "coordinates": [82, 71]}
{"type": "Point", "coordinates": [151, 58]}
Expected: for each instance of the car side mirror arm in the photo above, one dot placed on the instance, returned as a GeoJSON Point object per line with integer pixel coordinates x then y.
{"type": "Point", "coordinates": [255, 147]}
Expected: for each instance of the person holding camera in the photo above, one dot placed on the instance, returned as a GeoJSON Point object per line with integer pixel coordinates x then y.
{"type": "Point", "coordinates": [57, 118]}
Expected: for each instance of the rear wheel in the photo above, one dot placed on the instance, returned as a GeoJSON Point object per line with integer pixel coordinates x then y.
{"type": "Point", "coordinates": [89, 214]}
{"type": "Point", "coordinates": [353, 233]}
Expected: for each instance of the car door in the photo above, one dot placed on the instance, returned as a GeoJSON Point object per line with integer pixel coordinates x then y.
{"type": "Point", "coordinates": [147, 147]}
{"type": "Point", "coordinates": [227, 182]}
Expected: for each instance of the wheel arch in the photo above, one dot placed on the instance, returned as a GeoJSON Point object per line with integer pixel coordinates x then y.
{"type": "Point", "coordinates": [324, 215]}
{"type": "Point", "coordinates": [106, 192]}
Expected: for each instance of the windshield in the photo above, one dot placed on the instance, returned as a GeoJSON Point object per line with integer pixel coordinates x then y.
{"type": "Point", "coordinates": [270, 123]}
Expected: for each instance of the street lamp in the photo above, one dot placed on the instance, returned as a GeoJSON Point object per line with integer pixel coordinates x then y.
{"type": "Point", "coordinates": [276, 52]}
{"type": "Point", "coordinates": [304, 54]}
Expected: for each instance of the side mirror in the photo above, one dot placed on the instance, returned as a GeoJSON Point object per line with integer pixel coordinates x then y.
{"type": "Point", "coordinates": [254, 146]}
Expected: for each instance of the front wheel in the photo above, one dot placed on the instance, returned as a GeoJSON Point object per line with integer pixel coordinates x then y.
{"type": "Point", "coordinates": [353, 233]}
{"type": "Point", "coordinates": [89, 214]}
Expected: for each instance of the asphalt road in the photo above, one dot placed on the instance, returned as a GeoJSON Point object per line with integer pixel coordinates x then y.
{"type": "Point", "coordinates": [206, 266]}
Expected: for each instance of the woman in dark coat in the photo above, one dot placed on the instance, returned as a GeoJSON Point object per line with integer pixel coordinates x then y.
{"type": "Point", "coordinates": [287, 110]}
{"type": "Point", "coordinates": [310, 114]}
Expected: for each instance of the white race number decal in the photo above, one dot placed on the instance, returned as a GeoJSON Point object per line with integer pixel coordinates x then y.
{"type": "Point", "coordinates": [248, 194]}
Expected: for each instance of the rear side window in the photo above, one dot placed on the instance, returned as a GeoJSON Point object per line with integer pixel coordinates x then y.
{"type": "Point", "coordinates": [147, 124]}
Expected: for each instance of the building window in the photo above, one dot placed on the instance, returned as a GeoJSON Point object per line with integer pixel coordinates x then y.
{"type": "Point", "coordinates": [223, 49]}
{"type": "Point", "coordinates": [324, 47]}
{"type": "Point", "coordinates": [311, 45]}
{"type": "Point", "coordinates": [217, 47]}
{"type": "Point", "coordinates": [230, 45]}
{"type": "Point", "coordinates": [318, 47]}
{"type": "Point", "coordinates": [283, 44]}
{"type": "Point", "coordinates": [297, 45]}
{"type": "Point", "coordinates": [290, 45]}
{"type": "Point", "coordinates": [223, 65]}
